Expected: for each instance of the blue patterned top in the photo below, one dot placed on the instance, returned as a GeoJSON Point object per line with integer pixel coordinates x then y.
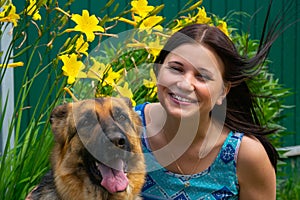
{"type": "Point", "coordinates": [219, 181]}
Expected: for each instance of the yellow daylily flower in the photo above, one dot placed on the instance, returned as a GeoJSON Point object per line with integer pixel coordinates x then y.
{"type": "Point", "coordinates": [81, 45]}
{"type": "Point", "coordinates": [179, 25]}
{"type": "Point", "coordinates": [125, 92]}
{"type": "Point", "coordinates": [141, 8]}
{"type": "Point", "coordinates": [10, 65]}
{"type": "Point", "coordinates": [31, 10]}
{"type": "Point", "coordinates": [152, 22]}
{"type": "Point", "coordinates": [153, 92]}
{"type": "Point", "coordinates": [101, 71]}
{"type": "Point", "coordinates": [86, 24]}
{"type": "Point", "coordinates": [11, 16]}
{"type": "Point", "coordinates": [201, 16]}
{"type": "Point", "coordinates": [222, 25]}
{"type": "Point", "coordinates": [111, 77]}
{"type": "Point", "coordinates": [97, 70]}
{"type": "Point", "coordinates": [72, 67]}
{"type": "Point", "coordinates": [148, 84]}
{"type": "Point", "coordinates": [152, 82]}
{"type": "Point", "coordinates": [155, 47]}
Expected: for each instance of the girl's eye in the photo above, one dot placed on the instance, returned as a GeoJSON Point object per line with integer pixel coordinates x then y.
{"type": "Point", "coordinates": [203, 77]}
{"type": "Point", "coordinates": [176, 69]}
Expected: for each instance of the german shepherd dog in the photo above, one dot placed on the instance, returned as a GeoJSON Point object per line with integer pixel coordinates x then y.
{"type": "Point", "coordinates": [97, 152]}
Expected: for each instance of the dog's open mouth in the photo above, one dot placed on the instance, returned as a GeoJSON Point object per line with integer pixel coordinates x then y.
{"type": "Point", "coordinates": [105, 160]}
{"type": "Point", "coordinates": [114, 178]}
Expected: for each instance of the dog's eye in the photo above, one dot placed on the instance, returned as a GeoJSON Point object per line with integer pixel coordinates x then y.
{"type": "Point", "coordinates": [88, 119]}
{"type": "Point", "coordinates": [118, 115]}
{"type": "Point", "coordinates": [121, 117]}
{"type": "Point", "coordinates": [85, 122]}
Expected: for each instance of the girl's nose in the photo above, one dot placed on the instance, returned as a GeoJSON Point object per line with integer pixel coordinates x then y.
{"type": "Point", "coordinates": [186, 84]}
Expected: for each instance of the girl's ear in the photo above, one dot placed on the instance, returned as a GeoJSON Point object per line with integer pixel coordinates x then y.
{"type": "Point", "coordinates": [226, 89]}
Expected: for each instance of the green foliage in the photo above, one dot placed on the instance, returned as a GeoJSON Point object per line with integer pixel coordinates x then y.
{"type": "Point", "coordinates": [270, 94]}
{"type": "Point", "coordinates": [288, 188]}
{"type": "Point", "coordinates": [25, 161]}
{"type": "Point", "coordinates": [24, 165]}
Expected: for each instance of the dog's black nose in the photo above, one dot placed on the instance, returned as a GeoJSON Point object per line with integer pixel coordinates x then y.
{"type": "Point", "coordinates": [119, 140]}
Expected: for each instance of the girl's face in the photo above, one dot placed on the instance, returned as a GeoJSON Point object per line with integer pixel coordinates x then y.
{"type": "Point", "coordinates": [190, 81]}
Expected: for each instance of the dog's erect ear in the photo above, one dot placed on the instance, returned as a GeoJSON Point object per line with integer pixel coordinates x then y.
{"type": "Point", "coordinates": [128, 101]}
{"type": "Point", "coordinates": [59, 122]}
{"type": "Point", "coordinates": [58, 113]}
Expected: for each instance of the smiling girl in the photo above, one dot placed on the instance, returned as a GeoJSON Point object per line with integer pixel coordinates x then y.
{"type": "Point", "coordinates": [203, 140]}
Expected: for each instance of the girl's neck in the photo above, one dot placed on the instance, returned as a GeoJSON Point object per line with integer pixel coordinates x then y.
{"type": "Point", "coordinates": [195, 127]}
{"type": "Point", "coordinates": [192, 130]}
{"type": "Point", "coordinates": [187, 134]}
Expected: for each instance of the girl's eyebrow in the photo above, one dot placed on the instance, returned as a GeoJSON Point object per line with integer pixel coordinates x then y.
{"type": "Point", "coordinates": [175, 62]}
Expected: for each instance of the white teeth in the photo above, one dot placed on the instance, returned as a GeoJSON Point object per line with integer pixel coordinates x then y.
{"type": "Point", "coordinates": [179, 98]}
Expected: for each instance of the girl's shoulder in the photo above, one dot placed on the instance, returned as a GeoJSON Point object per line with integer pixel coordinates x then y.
{"type": "Point", "coordinates": [251, 151]}
{"type": "Point", "coordinates": [256, 174]}
{"type": "Point", "coordinates": [150, 111]}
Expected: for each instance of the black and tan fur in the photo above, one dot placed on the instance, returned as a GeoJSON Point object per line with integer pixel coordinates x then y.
{"type": "Point", "coordinates": [89, 132]}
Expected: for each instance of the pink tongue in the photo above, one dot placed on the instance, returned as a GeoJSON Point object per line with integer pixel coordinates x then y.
{"type": "Point", "coordinates": [113, 179]}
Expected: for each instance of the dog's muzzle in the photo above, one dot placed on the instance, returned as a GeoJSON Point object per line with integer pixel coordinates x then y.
{"type": "Point", "coordinates": [110, 153]}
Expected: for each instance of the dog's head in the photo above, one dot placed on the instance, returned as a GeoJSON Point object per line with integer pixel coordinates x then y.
{"type": "Point", "coordinates": [98, 138]}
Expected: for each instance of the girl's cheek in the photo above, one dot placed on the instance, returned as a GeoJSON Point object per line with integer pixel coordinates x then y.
{"type": "Point", "coordinates": [165, 78]}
